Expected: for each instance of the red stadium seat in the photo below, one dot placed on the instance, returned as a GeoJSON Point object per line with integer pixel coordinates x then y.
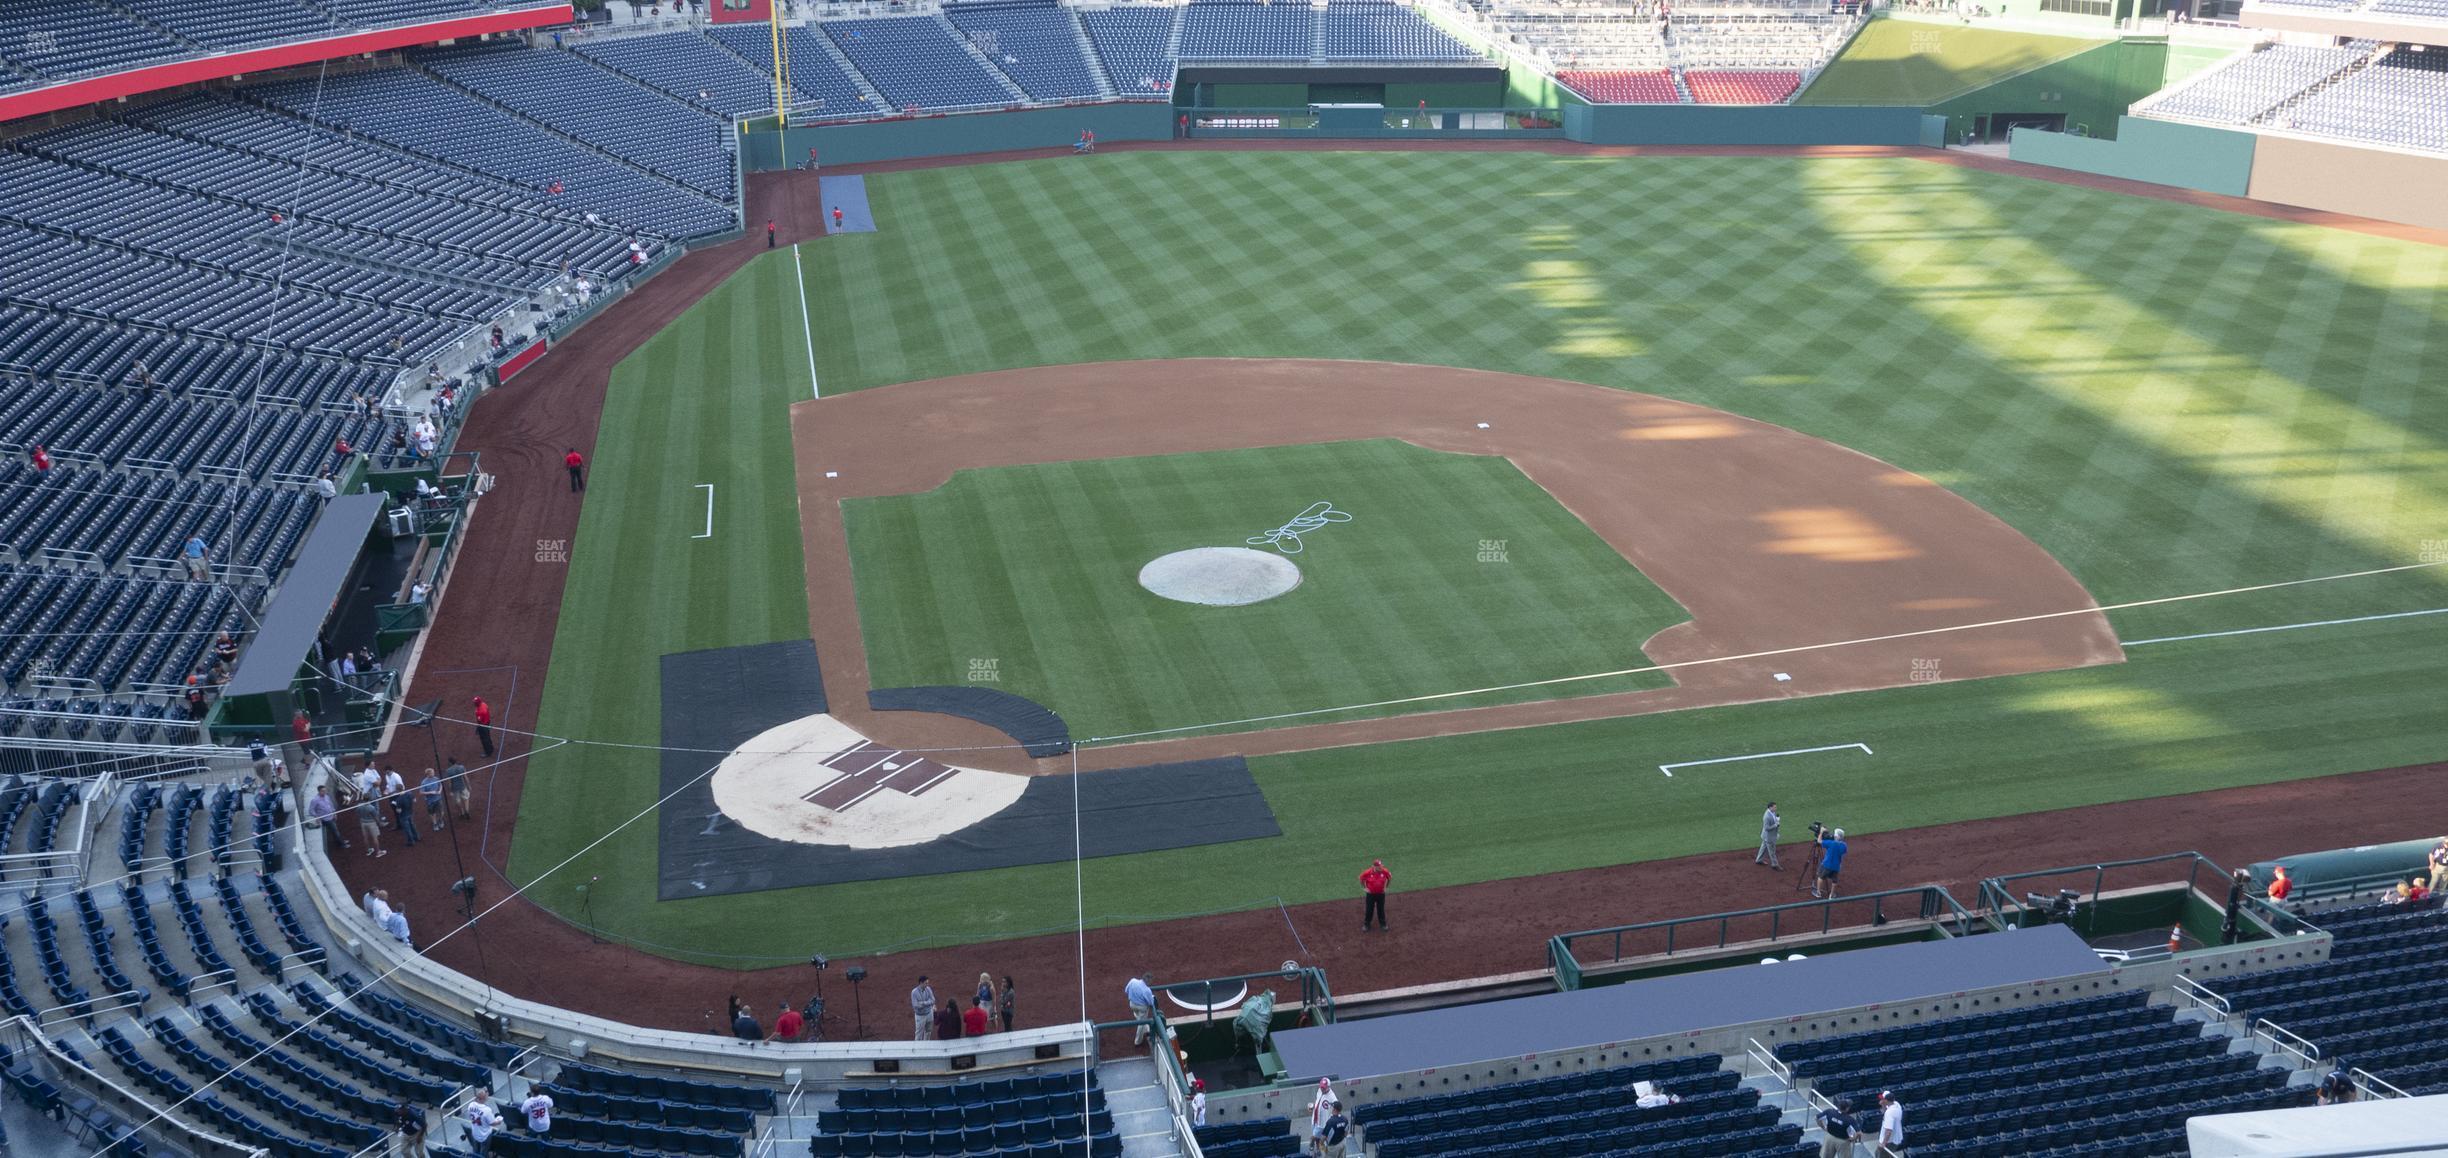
{"type": "Point", "coordinates": [1623, 86]}
{"type": "Point", "coordinates": [1711, 87]}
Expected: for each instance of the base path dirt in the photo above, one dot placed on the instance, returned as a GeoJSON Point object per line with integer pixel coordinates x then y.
{"type": "Point", "coordinates": [1772, 539]}
{"type": "Point", "coordinates": [494, 633]}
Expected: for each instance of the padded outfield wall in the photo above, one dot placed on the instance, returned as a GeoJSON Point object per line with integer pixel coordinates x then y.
{"type": "Point", "coordinates": [956, 135]}
{"type": "Point", "coordinates": [2160, 152]}
{"type": "Point", "coordinates": [1741, 125]}
{"type": "Point", "coordinates": [2367, 182]}
{"type": "Point", "coordinates": [952, 135]}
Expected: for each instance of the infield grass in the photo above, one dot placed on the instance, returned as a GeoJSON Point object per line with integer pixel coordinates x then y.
{"type": "Point", "coordinates": [2170, 399]}
{"type": "Point", "coordinates": [1455, 571]}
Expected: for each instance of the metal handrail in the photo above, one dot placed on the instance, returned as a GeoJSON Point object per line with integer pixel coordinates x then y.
{"type": "Point", "coordinates": [1560, 946]}
{"type": "Point", "coordinates": [2201, 995]}
{"type": "Point", "coordinates": [2365, 1080]}
{"type": "Point", "coordinates": [90, 1007]}
{"type": "Point", "coordinates": [1997, 895]}
{"type": "Point", "coordinates": [763, 1145]}
{"type": "Point", "coordinates": [1768, 1061]}
{"type": "Point", "coordinates": [202, 983]}
{"type": "Point", "coordinates": [2281, 1037]}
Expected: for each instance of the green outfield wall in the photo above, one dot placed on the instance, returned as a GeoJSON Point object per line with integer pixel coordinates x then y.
{"type": "Point", "coordinates": [2091, 90]}
{"type": "Point", "coordinates": [2160, 152]}
{"type": "Point", "coordinates": [953, 135]}
{"type": "Point", "coordinates": [1741, 125]}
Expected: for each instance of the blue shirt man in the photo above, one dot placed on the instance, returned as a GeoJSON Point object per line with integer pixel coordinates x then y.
{"type": "Point", "coordinates": [1142, 1004]}
{"type": "Point", "coordinates": [1831, 861]}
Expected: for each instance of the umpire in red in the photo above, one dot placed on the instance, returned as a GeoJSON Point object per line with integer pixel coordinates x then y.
{"type": "Point", "coordinates": [1373, 881]}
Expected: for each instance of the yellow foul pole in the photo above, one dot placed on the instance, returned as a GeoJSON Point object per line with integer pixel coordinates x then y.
{"type": "Point", "coordinates": [781, 67]}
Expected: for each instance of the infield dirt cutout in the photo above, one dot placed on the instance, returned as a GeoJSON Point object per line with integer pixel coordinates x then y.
{"type": "Point", "coordinates": [1772, 539]}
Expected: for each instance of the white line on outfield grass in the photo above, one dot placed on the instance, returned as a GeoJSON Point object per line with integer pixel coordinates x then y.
{"type": "Point", "coordinates": [708, 488]}
{"type": "Point", "coordinates": [1668, 769]}
{"type": "Point", "coordinates": [1558, 681]}
{"type": "Point", "coordinates": [2287, 627]}
{"type": "Point", "coordinates": [807, 327]}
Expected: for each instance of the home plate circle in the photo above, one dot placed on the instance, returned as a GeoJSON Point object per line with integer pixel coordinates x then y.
{"type": "Point", "coordinates": [1220, 576]}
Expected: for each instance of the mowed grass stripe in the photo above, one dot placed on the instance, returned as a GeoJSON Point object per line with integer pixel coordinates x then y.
{"type": "Point", "coordinates": [1395, 603]}
{"type": "Point", "coordinates": [2076, 362]}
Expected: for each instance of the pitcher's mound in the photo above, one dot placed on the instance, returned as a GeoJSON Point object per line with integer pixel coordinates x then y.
{"type": "Point", "coordinates": [1220, 576]}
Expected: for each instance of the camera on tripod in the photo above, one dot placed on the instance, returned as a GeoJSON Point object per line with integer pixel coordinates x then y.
{"type": "Point", "coordinates": [1816, 829]}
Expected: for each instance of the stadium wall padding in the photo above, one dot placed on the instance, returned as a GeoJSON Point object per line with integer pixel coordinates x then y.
{"type": "Point", "coordinates": [2160, 152]}
{"type": "Point", "coordinates": [2366, 182]}
{"type": "Point", "coordinates": [1742, 125]}
{"type": "Point", "coordinates": [2093, 89]}
{"type": "Point", "coordinates": [946, 136]}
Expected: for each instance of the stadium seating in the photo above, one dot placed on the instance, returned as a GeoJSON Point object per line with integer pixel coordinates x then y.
{"type": "Point", "coordinates": [1591, 1112]}
{"type": "Point", "coordinates": [688, 66]}
{"type": "Point", "coordinates": [1247, 30]}
{"type": "Point", "coordinates": [64, 39]}
{"type": "Point", "coordinates": [228, 26]}
{"type": "Point", "coordinates": [919, 63]}
{"type": "Point", "coordinates": [2364, 1003]}
{"type": "Point", "coordinates": [2401, 99]}
{"type": "Point", "coordinates": [1383, 30]}
{"type": "Point", "coordinates": [1623, 86]}
{"type": "Point", "coordinates": [1035, 42]}
{"type": "Point", "coordinates": [1010, 1116]}
{"type": "Point", "coordinates": [1253, 1138]}
{"type": "Point", "coordinates": [564, 93]}
{"type": "Point", "coordinates": [1134, 41]}
{"type": "Point", "coordinates": [2242, 90]}
{"type": "Point", "coordinates": [1713, 87]}
{"type": "Point", "coordinates": [419, 114]}
{"type": "Point", "coordinates": [2113, 1071]}
{"type": "Point", "coordinates": [825, 88]}
{"type": "Point", "coordinates": [2353, 92]}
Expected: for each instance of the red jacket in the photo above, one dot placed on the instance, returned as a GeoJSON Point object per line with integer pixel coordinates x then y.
{"type": "Point", "coordinates": [573, 458]}
{"type": "Point", "coordinates": [1375, 878]}
{"type": "Point", "coordinates": [484, 713]}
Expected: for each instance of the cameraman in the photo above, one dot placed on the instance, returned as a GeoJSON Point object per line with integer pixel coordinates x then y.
{"type": "Point", "coordinates": [1831, 860]}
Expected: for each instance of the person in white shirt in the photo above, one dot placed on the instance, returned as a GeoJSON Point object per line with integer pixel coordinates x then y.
{"type": "Point", "coordinates": [378, 907]}
{"type": "Point", "coordinates": [1321, 1108]}
{"type": "Point", "coordinates": [482, 1120]}
{"type": "Point", "coordinates": [1198, 1103]}
{"type": "Point", "coordinates": [538, 1109]}
{"type": "Point", "coordinates": [1891, 1123]}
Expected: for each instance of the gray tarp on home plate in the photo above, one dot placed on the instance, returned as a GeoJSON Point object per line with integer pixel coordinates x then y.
{"type": "Point", "coordinates": [713, 701]}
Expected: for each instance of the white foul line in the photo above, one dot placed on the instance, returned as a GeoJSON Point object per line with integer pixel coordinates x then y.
{"type": "Point", "coordinates": [1668, 769]}
{"type": "Point", "coordinates": [807, 328]}
{"type": "Point", "coordinates": [2287, 627]}
{"type": "Point", "coordinates": [709, 531]}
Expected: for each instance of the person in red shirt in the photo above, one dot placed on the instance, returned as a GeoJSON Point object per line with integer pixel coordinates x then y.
{"type": "Point", "coordinates": [576, 463]}
{"type": "Point", "coordinates": [1373, 881]}
{"type": "Point", "coordinates": [788, 1023]}
{"type": "Point", "coordinates": [40, 457]}
{"type": "Point", "coordinates": [973, 1023]}
{"type": "Point", "coordinates": [837, 217]}
{"type": "Point", "coordinates": [769, 233]}
{"type": "Point", "coordinates": [484, 723]}
{"type": "Point", "coordinates": [2280, 883]}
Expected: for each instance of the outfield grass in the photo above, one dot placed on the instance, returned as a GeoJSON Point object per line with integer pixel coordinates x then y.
{"type": "Point", "coordinates": [1036, 569]}
{"type": "Point", "coordinates": [1913, 62]}
{"type": "Point", "coordinates": [2169, 399]}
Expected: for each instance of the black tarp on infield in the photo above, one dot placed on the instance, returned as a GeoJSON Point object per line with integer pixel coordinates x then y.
{"type": "Point", "coordinates": [716, 700]}
{"type": "Point", "coordinates": [1039, 730]}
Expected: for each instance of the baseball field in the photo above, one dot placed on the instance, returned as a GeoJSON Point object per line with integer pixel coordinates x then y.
{"type": "Point", "coordinates": [2225, 429]}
